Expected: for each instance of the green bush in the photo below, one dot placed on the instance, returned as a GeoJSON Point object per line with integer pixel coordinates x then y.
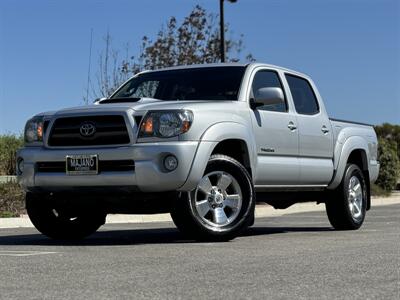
{"type": "Point", "coordinates": [12, 200]}
{"type": "Point", "coordinates": [389, 132]}
{"type": "Point", "coordinates": [377, 191]}
{"type": "Point", "coordinates": [390, 164]}
{"type": "Point", "coordinates": [9, 144]}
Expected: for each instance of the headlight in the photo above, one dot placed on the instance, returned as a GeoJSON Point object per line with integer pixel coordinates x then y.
{"type": "Point", "coordinates": [165, 124]}
{"type": "Point", "coordinates": [34, 130]}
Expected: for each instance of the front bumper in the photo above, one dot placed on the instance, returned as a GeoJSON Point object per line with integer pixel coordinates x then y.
{"type": "Point", "coordinates": [148, 175]}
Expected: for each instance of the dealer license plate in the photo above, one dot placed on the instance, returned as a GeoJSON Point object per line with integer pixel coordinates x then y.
{"type": "Point", "coordinates": [82, 164]}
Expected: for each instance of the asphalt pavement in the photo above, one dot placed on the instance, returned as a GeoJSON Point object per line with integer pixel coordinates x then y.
{"type": "Point", "coordinates": [295, 256]}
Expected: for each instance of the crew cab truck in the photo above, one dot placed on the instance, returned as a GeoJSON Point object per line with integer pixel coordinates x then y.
{"type": "Point", "coordinates": [202, 142]}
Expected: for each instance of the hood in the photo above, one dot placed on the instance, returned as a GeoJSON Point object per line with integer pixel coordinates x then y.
{"type": "Point", "coordinates": [96, 107]}
{"type": "Point", "coordinates": [143, 104]}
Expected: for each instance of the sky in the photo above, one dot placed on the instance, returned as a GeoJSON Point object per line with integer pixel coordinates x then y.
{"type": "Point", "coordinates": [351, 48]}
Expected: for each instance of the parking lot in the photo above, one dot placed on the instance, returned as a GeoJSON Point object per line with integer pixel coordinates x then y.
{"type": "Point", "coordinates": [293, 256]}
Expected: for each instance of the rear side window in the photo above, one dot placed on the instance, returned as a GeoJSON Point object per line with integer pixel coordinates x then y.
{"type": "Point", "coordinates": [264, 79]}
{"type": "Point", "coordinates": [303, 95]}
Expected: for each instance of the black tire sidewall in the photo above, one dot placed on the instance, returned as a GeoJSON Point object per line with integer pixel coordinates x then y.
{"type": "Point", "coordinates": [40, 213]}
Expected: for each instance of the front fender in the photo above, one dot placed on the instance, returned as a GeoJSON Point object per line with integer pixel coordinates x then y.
{"type": "Point", "coordinates": [209, 140]}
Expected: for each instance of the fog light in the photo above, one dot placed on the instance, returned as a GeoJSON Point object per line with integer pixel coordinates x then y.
{"type": "Point", "coordinates": [20, 166]}
{"type": "Point", "coordinates": [170, 162]}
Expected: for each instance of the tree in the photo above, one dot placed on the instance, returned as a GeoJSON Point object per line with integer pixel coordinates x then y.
{"type": "Point", "coordinates": [112, 72]}
{"type": "Point", "coordinates": [194, 41]}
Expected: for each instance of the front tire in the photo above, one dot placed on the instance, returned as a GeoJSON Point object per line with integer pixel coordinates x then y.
{"type": "Point", "coordinates": [346, 210]}
{"type": "Point", "coordinates": [56, 222]}
{"type": "Point", "coordinates": [221, 206]}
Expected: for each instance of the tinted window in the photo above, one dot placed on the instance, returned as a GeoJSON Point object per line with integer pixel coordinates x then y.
{"type": "Point", "coordinates": [303, 95]}
{"type": "Point", "coordinates": [264, 79]}
{"type": "Point", "coordinates": [215, 83]}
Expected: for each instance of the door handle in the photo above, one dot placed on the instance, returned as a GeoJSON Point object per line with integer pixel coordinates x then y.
{"type": "Point", "coordinates": [291, 126]}
{"type": "Point", "coordinates": [324, 129]}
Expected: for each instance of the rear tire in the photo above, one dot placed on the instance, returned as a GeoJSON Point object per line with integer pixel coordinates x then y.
{"type": "Point", "coordinates": [346, 209]}
{"type": "Point", "coordinates": [221, 206]}
{"type": "Point", "coordinates": [56, 222]}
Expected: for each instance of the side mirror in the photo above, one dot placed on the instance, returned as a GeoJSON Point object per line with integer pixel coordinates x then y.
{"type": "Point", "coordinates": [269, 96]}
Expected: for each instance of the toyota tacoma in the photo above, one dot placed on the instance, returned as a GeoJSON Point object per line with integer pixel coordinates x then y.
{"type": "Point", "coordinates": [200, 142]}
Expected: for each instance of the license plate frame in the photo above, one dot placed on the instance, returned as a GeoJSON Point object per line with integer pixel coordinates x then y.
{"type": "Point", "coordinates": [82, 164]}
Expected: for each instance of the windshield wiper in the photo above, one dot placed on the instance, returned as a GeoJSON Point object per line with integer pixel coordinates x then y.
{"type": "Point", "coordinates": [119, 100]}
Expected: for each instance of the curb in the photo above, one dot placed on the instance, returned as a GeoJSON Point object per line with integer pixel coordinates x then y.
{"type": "Point", "coordinates": [262, 210]}
{"type": "Point", "coordinates": [8, 178]}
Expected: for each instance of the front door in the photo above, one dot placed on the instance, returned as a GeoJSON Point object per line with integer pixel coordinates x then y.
{"type": "Point", "coordinates": [275, 128]}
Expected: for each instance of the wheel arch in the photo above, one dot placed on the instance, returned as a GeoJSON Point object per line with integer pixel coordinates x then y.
{"type": "Point", "coordinates": [228, 138]}
{"type": "Point", "coordinates": [355, 151]}
{"type": "Point", "coordinates": [235, 148]}
{"type": "Point", "coordinates": [359, 158]}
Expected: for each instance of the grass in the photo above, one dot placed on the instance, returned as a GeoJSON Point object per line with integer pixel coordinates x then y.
{"type": "Point", "coordinates": [377, 191]}
{"type": "Point", "coordinates": [7, 214]}
{"type": "Point", "coordinates": [12, 200]}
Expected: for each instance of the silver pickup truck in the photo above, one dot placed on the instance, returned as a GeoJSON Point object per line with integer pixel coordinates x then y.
{"type": "Point", "coordinates": [203, 143]}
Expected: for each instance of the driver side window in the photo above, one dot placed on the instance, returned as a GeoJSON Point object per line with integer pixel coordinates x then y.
{"type": "Point", "coordinates": [263, 79]}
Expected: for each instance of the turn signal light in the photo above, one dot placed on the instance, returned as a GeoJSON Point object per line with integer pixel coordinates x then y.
{"type": "Point", "coordinates": [147, 126]}
{"type": "Point", "coordinates": [40, 131]}
{"type": "Point", "coordinates": [185, 126]}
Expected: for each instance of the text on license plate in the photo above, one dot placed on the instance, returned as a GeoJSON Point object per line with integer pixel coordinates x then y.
{"type": "Point", "coordinates": [82, 164]}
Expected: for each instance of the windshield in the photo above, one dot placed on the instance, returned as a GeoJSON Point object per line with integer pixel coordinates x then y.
{"type": "Point", "coordinates": [208, 83]}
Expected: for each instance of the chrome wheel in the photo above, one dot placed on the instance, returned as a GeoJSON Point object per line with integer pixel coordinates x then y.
{"type": "Point", "coordinates": [217, 199]}
{"type": "Point", "coordinates": [355, 198]}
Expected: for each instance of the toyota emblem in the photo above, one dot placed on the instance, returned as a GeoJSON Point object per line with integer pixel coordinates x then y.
{"type": "Point", "coordinates": [87, 129]}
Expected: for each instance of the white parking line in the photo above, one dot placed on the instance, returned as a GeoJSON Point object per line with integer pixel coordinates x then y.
{"type": "Point", "coordinates": [19, 253]}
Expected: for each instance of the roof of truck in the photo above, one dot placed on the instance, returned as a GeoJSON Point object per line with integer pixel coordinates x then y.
{"type": "Point", "coordinates": [229, 64]}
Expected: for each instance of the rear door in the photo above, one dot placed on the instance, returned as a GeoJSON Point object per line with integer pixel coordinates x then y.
{"type": "Point", "coordinates": [315, 133]}
{"type": "Point", "coordinates": [276, 136]}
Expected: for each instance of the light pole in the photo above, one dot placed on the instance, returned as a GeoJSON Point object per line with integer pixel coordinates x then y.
{"type": "Point", "coordinates": [222, 27]}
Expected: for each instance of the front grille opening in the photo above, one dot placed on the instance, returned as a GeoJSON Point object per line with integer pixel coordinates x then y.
{"type": "Point", "coordinates": [45, 125]}
{"type": "Point", "coordinates": [109, 130]}
{"type": "Point", "coordinates": [104, 166]}
{"type": "Point", "coordinates": [138, 119]}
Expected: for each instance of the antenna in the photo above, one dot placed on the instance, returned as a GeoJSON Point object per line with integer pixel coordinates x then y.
{"type": "Point", "coordinates": [90, 61]}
